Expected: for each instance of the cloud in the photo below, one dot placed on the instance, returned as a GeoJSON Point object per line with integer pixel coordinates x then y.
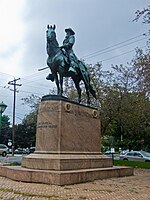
{"type": "Point", "coordinates": [98, 24]}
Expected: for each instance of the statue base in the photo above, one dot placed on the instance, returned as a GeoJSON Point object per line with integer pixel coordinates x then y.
{"type": "Point", "coordinates": [67, 147]}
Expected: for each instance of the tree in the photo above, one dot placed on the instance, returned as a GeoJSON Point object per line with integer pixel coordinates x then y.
{"type": "Point", "coordinates": [5, 130]}
{"type": "Point", "coordinates": [141, 61]}
{"type": "Point", "coordinates": [25, 133]}
{"type": "Point", "coordinates": [141, 64]}
{"type": "Point", "coordinates": [145, 15]}
{"type": "Point", "coordinates": [32, 101]}
{"type": "Point", "coordinates": [123, 109]}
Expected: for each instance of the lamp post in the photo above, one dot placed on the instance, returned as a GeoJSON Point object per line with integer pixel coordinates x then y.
{"type": "Point", "coordinates": [2, 109]}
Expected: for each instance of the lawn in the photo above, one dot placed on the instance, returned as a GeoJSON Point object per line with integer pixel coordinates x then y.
{"type": "Point", "coordinates": [145, 165]}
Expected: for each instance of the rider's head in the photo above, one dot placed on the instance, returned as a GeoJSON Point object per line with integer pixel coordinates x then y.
{"type": "Point", "coordinates": [70, 31]}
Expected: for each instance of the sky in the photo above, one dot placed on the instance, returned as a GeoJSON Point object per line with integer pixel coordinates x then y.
{"type": "Point", "coordinates": [104, 32]}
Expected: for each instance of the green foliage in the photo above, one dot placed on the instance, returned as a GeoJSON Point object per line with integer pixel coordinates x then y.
{"type": "Point", "coordinates": [124, 108]}
{"type": "Point", "coordinates": [5, 132]}
{"type": "Point", "coordinates": [145, 165]}
{"type": "Point", "coordinates": [25, 133]}
{"type": "Point", "coordinates": [14, 164]}
{"type": "Point", "coordinates": [141, 63]}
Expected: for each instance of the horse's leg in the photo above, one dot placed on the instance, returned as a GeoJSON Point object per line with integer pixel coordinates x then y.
{"type": "Point", "coordinates": [57, 82]}
{"type": "Point", "coordinates": [88, 94]}
{"type": "Point", "coordinates": [76, 82]}
{"type": "Point", "coordinates": [61, 83]}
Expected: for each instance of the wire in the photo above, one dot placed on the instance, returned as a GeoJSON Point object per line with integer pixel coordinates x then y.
{"type": "Point", "coordinates": [30, 92]}
{"type": "Point", "coordinates": [114, 48]}
{"type": "Point", "coordinates": [6, 74]}
{"type": "Point", "coordinates": [114, 45]}
{"type": "Point", "coordinates": [37, 74]}
{"type": "Point", "coordinates": [120, 54]}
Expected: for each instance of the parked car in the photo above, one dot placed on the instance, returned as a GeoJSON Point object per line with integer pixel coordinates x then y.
{"type": "Point", "coordinates": [142, 156]}
{"type": "Point", "coordinates": [124, 152]}
{"type": "Point", "coordinates": [3, 150]}
{"type": "Point", "coordinates": [108, 153]}
{"type": "Point", "coordinates": [31, 149]}
{"type": "Point", "coordinates": [20, 151]}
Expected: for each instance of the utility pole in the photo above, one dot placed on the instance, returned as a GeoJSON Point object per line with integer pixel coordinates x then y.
{"type": "Point", "coordinates": [14, 108]}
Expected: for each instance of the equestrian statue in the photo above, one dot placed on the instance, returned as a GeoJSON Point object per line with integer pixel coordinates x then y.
{"type": "Point", "coordinates": [63, 62]}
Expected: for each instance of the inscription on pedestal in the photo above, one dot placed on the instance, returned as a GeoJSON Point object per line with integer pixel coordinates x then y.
{"type": "Point", "coordinates": [46, 125]}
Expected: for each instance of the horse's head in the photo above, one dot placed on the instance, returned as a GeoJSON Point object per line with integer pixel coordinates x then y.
{"type": "Point", "coordinates": [50, 33]}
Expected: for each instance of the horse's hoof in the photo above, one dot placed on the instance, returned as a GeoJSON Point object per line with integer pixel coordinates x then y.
{"type": "Point", "coordinates": [59, 94]}
{"type": "Point", "coordinates": [88, 103]}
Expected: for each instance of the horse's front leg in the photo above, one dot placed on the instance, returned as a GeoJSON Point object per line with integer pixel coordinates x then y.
{"type": "Point", "coordinates": [57, 83]}
{"type": "Point", "coordinates": [61, 83]}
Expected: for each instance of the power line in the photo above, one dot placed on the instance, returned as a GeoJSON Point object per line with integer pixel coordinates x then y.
{"type": "Point", "coordinates": [120, 54]}
{"type": "Point", "coordinates": [30, 92]}
{"type": "Point", "coordinates": [6, 74]}
{"type": "Point", "coordinates": [37, 74]}
{"type": "Point", "coordinates": [114, 45]}
{"type": "Point", "coordinates": [94, 55]}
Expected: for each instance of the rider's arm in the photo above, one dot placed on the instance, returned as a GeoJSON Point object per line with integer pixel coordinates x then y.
{"type": "Point", "coordinates": [71, 41]}
{"type": "Point", "coordinates": [67, 44]}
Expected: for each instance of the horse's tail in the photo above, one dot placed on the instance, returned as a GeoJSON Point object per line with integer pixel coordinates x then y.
{"type": "Point", "coordinates": [92, 91]}
{"type": "Point", "coordinates": [86, 77]}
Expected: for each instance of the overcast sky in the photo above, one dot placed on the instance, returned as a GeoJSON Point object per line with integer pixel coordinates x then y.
{"type": "Point", "coordinates": [98, 24]}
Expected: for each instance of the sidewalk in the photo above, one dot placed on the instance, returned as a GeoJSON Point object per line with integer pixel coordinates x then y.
{"type": "Point", "coordinates": [135, 187]}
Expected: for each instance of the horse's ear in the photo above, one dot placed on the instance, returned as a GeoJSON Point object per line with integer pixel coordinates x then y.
{"type": "Point", "coordinates": [54, 26]}
{"type": "Point", "coordinates": [48, 26]}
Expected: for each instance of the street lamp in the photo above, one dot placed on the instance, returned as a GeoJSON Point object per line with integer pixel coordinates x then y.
{"type": "Point", "coordinates": [2, 109]}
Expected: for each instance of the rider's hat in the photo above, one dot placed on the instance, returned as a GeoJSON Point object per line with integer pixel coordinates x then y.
{"type": "Point", "coordinates": [69, 30]}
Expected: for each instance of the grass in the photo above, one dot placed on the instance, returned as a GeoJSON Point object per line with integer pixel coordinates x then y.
{"type": "Point", "coordinates": [144, 165]}
{"type": "Point", "coordinates": [15, 164]}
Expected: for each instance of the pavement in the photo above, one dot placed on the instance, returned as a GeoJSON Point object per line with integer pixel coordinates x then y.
{"type": "Point", "coordinates": [135, 187]}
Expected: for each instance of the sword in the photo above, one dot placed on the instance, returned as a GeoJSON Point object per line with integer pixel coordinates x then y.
{"type": "Point", "coordinates": [42, 68]}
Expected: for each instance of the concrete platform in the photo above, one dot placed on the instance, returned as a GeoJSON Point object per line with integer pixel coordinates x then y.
{"type": "Point", "coordinates": [125, 188]}
{"type": "Point", "coordinates": [62, 177]}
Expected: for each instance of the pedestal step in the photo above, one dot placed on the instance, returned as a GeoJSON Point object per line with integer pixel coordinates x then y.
{"type": "Point", "coordinates": [62, 177]}
{"type": "Point", "coordinates": [65, 161]}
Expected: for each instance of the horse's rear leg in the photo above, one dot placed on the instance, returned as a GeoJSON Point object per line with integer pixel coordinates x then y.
{"type": "Point", "coordinates": [76, 82]}
{"type": "Point", "coordinates": [79, 93]}
{"type": "Point", "coordinates": [88, 94]}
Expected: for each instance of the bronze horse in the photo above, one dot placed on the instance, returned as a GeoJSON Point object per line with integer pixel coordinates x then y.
{"type": "Point", "coordinates": [59, 65]}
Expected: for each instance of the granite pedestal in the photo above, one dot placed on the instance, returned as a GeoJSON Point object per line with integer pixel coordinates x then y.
{"type": "Point", "coordinates": [67, 147]}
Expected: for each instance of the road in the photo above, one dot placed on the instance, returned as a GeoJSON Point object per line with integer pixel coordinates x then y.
{"type": "Point", "coordinates": [11, 159]}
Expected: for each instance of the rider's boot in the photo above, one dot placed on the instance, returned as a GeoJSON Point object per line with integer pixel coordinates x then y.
{"type": "Point", "coordinates": [72, 68]}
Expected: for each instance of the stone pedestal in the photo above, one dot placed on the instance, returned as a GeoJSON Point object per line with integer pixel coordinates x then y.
{"type": "Point", "coordinates": [67, 138]}
{"type": "Point", "coordinates": [67, 147]}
